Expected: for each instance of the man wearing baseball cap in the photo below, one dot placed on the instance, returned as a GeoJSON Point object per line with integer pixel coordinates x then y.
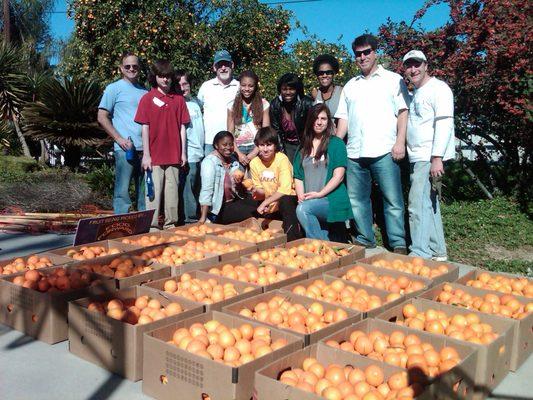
{"type": "Point", "coordinates": [215, 95]}
{"type": "Point", "coordinates": [430, 142]}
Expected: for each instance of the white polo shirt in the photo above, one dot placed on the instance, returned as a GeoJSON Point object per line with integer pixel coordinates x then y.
{"type": "Point", "coordinates": [215, 98]}
{"type": "Point", "coordinates": [371, 107]}
{"type": "Point", "coordinates": [431, 103]}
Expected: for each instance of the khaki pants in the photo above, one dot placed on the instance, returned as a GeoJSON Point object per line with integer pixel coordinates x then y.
{"type": "Point", "coordinates": [166, 180]}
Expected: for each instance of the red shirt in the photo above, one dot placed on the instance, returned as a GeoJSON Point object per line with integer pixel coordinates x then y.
{"type": "Point", "coordinates": [164, 113]}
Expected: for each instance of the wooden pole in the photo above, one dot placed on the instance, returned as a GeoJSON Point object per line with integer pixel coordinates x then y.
{"type": "Point", "coordinates": [7, 22]}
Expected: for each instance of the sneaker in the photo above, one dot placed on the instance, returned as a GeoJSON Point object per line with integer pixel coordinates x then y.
{"type": "Point", "coordinates": [366, 246]}
{"type": "Point", "coordinates": [400, 250]}
{"type": "Point", "coordinates": [440, 258]}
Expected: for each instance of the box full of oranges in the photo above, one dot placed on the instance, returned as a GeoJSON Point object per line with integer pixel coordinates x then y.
{"type": "Point", "coordinates": [499, 281]}
{"type": "Point", "coordinates": [125, 270]}
{"type": "Point", "coordinates": [152, 239]}
{"type": "Point", "coordinates": [35, 302]}
{"type": "Point", "coordinates": [33, 261]}
{"type": "Point", "coordinates": [264, 239]}
{"type": "Point", "coordinates": [345, 253]}
{"type": "Point", "coordinates": [436, 271]}
{"type": "Point", "coordinates": [389, 280]}
{"type": "Point", "coordinates": [107, 330]}
{"type": "Point", "coordinates": [211, 356]}
{"type": "Point", "coordinates": [364, 299]}
{"type": "Point", "coordinates": [517, 309]}
{"type": "Point", "coordinates": [197, 229]}
{"type": "Point", "coordinates": [227, 249]}
{"type": "Point", "coordinates": [429, 359]}
{"type": "Point", "coordinates": [322, 372]}
{"type": "Point", "coordinates": [263, 274]}
{"type": "Point", "coordinates": [491, 336]}
{"type": "Point", "coordinates": [211, 291]}
{"type": "Point", "coordinates": [305, 317]}
{"type": "Point", "coordinates": [93, 250]}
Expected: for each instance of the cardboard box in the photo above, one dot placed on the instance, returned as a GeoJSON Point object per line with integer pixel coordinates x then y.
{"type": "Point", "coordinates": [150, 254]}
{"type": "Point", "coordinates": [106, 244]}
{"type": "Point", "coordinates": [493, 359]}
{"type": "Point", "coordinates": [308, 338]}
{"type": "Point", "coordinates": [451, 275]}
{"type": "Point", "coordinates": [266, 288]}
{"type": "Point", "coordinates": [239, 287]}
{"type": "Point", "coordinates": [442, 384]}
{"type": "Point", "coordinates": [370, 290]}
{"type": "Point", "coordinates": [522, 328]}
{"type": "Point", "coordinates": [116, 345]}
{"type": "Point", "coordinates": [184, 229]}
{"type": "Point", "coordinates": [260, 224]}
{"type": "Point", "coordinates": [340, 272]}
{"type": "Point", "coordinates": [317, 271]}
{"type": "Point", "coordinates": [172, 373]}
{"type": "Point", "coordinates": [42, 316]}
{"type": "Point", "coordinates": [268, 387]}
{"type": "Point", "coordinates": [245, 247]}
{"type": "Point", "coordinates": [158, 270]}
{"type": "Point", "coordinates": [277, 237]}
{"type": "Point", "coordinates": [55, 259]}
{"type": "Point", "coordinates": [355, 252]}
{"type": "Point", "coordinates": [474, 274]}
{"type": "Point", "coordinates": [160, 237]}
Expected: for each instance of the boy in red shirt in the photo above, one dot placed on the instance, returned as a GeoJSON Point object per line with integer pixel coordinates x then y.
{"type": "Point", "coordinates": [163, 114]}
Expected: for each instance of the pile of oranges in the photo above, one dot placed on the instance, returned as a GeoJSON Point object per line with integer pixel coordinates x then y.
{"type": "Point", "coordinates": [170, 255]}
{"type": "Point", "coordinates": [90, 252]}
{"type": "Point", "coordinates": [463, 327]}
{"type": "Point", "coordinates": [248, 235]}
{"type": "Point", "coordinates": [21, 264]}
{"type": "Point", "coordinates": [230, 346]}
{"type": "Point", "coordinates": [120, 267]}
{"type": "Point", "coordinates": [212, 246]}
{"type": "Point", "coordinates": [401, 284]}
{"type": "Point", "coordinates": [338, 292]}
{"type": "Point", "coordinates": [504, 284]}
{"type": "Point", "coordinates": [321, 247]}
{"type": "Point", "coordinates": [252, 273]}
{"type": "Point", "coordinates": [401, 350]}
{"type": "Point", "coordinates": [136, 311]}
{"type": "Point", "coordinates": [206, 291]}
{"type": "Point", "coordinates": [505, 305]}
{"type": "Point", "coordinates": [60, 279]}
{"type": "Point", "coordinates": [152, 240]}
{"type": "Point", "coordinates": [292, 258]}
{"type": "Point", "coordinates": [415, 266]}
{"type": "Point", "coordinates": [282, 313]}
{"type": "Point", "coordinates": [337, 382]}
{"type": "Point", "coordinates": [201, 230]}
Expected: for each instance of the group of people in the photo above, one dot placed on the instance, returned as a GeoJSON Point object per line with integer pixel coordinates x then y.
{"type": "Point", "coordinates": [229, 154]}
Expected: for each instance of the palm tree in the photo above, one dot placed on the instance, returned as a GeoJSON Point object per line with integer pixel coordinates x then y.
{"type": "Point", "coordinates": [65, 114]}
{"type": "Point", "coordinates": [13, 89]}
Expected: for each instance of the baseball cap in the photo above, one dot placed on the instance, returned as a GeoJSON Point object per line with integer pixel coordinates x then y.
{"type": "Point", "coordinates": [415, 54]}
{"type": "Point", "coordinates": [222, 55]}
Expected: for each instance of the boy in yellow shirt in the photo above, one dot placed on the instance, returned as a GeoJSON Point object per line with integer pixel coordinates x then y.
{"type": "Point", "coordinates": [272, 178]}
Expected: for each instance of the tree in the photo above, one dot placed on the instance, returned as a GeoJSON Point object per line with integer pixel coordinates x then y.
{"type": "Point", "coordinates": [484, 53]}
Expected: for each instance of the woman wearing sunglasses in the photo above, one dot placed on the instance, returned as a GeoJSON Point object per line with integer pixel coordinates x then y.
{"type": "Point", "coordinates": [325, 67]}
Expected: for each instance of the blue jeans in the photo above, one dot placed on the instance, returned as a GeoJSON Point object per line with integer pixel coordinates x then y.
{"type": "Point", "coordinates": [386, 173]}
{"type": "Point", "coordinates": [313, 215]}
{"type": "Point", "coordinates": [208, 149]}
{"type": "Point", "coordinates": [124, 171]}
{"type": "Point", "coordinates": [425, 222]}
{"type": "Point", "coordinates": [246, 149]}
{"type": "Point", "coordinates": [191, 190]}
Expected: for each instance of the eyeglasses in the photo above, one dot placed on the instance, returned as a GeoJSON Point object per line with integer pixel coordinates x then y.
{"type": "Point", "coordinates": [133, 67]}
{"type": "Point", "coordinates": [221, 64]}
{"type": "Point", "coordinates": [328, 72]}
{"type": "Point", "coordinates": [366, 52]}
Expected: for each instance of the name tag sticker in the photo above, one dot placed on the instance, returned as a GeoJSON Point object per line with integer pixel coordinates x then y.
{"type": "Point", "coordinates": [158, 102]}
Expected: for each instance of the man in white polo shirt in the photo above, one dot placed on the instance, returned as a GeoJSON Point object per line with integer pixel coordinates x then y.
{"type": "Point", "coordinates": [215, 95]}
{"type": "Point", "coordinates": [430, 141]}
{"type": "Point", "coordinates": [373, 111]}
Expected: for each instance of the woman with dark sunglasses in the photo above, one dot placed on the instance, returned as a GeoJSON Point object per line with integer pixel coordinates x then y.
{"type": "Point", "coordinates": [325, 67]}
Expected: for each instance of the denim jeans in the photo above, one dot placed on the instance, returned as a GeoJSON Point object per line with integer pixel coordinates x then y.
{"type": "Point", "coordinates": [313, 215]}
{"type": "Point", "coordinates": [246, 149]}
{"type": "Point", "coordinates": [190, 179]}
{"type": "Point", "coordinates": [425, 222]}
{"type": "Point", "coordinates": [208, 149]}
{"type": "Point", "coordinates": [386, 173]}
{"type": "Point", "coordinates": [124, 171]}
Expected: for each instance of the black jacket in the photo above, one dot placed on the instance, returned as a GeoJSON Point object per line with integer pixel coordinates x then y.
{"type": "Point", "coordinates": [302, 106]}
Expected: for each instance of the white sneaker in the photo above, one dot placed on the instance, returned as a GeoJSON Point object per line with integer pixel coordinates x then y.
{"type": "Point", "coordinates": [440, 258]}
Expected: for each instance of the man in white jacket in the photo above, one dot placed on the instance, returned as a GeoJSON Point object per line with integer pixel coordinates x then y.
{"type": "Point", "coordinates": [430, 142]}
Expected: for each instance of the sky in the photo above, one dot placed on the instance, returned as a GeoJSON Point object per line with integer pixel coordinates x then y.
{"type": "Point", "coordinates": [328, 19]}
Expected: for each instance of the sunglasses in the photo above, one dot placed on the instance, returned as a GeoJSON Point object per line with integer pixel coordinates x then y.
{"type": "Point", "coordinates": [221, 64]}
{"type": "Point", "coordinates": [365, 52]}
{"type": "Point", "coordinates": [328, 72]}
{"type": "Point", "coordinates": [133, 67]}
